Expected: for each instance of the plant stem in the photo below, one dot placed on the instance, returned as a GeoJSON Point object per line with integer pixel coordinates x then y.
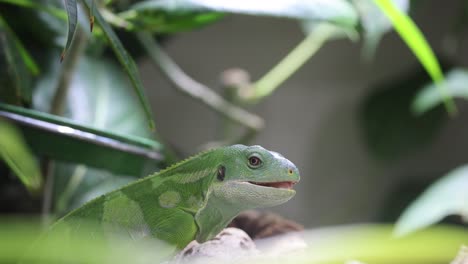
{"type": "Point", "coordinates": [67, 71]}
{"type": "Point", "coordinates": [194, 89]}
{"type": "Point", "coordinates": [75, 180]}
{"type": "Point", "coordinates": [58, 108]}
{"type": "Point", "coordinates": [289, 64]}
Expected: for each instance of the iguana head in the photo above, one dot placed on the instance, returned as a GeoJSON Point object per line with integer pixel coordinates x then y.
{"type": "Point", "coordinates": [246, 178]}
{"type": "Point", "coordinates": [253, 177]}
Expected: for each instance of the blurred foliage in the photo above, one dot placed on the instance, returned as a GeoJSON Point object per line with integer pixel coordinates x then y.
{"type": "Point", "coordinates": [101, 140]}
{"type": "Point", "coordinates": [366, 243]}
{"type": "Point", "coordinates": [390, 128]}
{"type": "Point", "coordinates": [15, 152]}
{"type": "Point", "coordinates": [445, 197]}
{"type": "Point", "coordinates": [455, 85]}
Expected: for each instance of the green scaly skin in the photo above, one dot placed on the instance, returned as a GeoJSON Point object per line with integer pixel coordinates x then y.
{"type": "Point", "coordinates": [193, 199]}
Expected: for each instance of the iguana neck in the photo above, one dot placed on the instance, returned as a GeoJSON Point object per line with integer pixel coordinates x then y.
{"type": "Point", "coordinates": [217, 213]}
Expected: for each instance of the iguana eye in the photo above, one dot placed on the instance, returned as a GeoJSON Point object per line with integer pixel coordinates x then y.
{"type": "Point", "coordinates": [254, 162]}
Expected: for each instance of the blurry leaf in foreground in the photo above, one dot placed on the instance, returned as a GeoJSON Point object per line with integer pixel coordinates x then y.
{"type": "Point", "coordinates": [416, 41]}
{"type": "Point", "coordinates": [376, 244]}
{"type": "Point", "coordinates": [333, 11]}
{"type": "Point", "coordinates": [391, 130]}
{"type": "Point", "coordinates": [333, 245]}
{"type": "Point", "coordinates": [72, 12]}
{"type": "Point", "coordinates": [16, 154]}
{"type": "Point", "coordinates": [22, 241]}
{"type": "Point", "coordinates": [447, 196]}
{"type": "Point", "coordinates": [374, 22]}
{"type": "Point", "coordinates": [455, 84]}
{"type": "Point", "coordinates": [62, 139]}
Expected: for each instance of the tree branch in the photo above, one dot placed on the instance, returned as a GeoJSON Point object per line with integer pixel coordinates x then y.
{"type": "Point", "coordinates": [194, 89]}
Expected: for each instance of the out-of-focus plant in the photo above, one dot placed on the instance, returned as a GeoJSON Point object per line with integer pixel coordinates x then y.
{"type": "Point", "coordinates": [87, 120]}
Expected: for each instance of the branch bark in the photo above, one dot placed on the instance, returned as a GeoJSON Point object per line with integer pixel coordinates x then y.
{"type": "Point", "coordinates": [194, 89]}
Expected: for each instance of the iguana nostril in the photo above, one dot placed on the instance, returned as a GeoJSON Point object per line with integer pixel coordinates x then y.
{"type": "Point", "coordinates": [290, 171]}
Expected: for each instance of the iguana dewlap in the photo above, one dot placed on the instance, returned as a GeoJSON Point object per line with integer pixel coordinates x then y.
{"type": "Point", "coordinates": [193, 199]}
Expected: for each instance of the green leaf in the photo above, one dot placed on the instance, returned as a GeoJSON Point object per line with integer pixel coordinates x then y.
{"type": "Point", "coordinates": [96, 108]}
{"type": "Point", "coordinates": [87, 105]}
{"type": "Point", "coordinates": [390, 128]}
{"type": "Point", "coordinates": [455, 84]}
{"type": "Point", "coordinates": [374, 23]}
{"type": "Point", "coordinates": [161, 21]}
{"type": "Point", "coordinates": [56, 12]}
{"type": "Point", "coordinates": [65, 140]}
{"type": "Point", "coordinates": [27, 58]}
{"type": "Point", "coordinates": [333, 11]}
{"type": "Point", "coordinates": [415, 40]}
{"type": "Point", "coordinates": [16, 86]}
{"type": "Point", "coordinates": [127, 62]}
{"type": "Point", "coordinates": [15, 152]}
{"type": "Point", "coordinates": [72, 12]}
{"type": "Point", "coordinates": [447, 196]}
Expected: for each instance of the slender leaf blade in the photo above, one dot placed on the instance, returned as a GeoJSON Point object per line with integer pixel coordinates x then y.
{"type": "Point", "coordinates": [447, 196]}
{"type": "Point", "coordinates": [15, 152]}
{"type": "Point", "coordinates": [17, 87]}
{"type": "Point", "coordinates": [126, 60]}
{"type": "Point", "coordinates": [27, 58]}
{"type": "Point", "coordinates": [416, 41]}
{"type": "Point", "coordinates": [72, 12]}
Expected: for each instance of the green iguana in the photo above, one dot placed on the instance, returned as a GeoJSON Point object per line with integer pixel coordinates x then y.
{"type": "Point", "coordinates": [193, 199]}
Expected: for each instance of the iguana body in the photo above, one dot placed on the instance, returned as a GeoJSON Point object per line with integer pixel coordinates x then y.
{"type": "Point", "coordinates": [194, 199]}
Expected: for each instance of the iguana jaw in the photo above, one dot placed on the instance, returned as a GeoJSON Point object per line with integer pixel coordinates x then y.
{"type": "Point", "coordinates": [279, 185]}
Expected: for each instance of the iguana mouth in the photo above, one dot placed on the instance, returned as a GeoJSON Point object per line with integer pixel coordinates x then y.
{"type": "Point", "coordinates": [280, 185]}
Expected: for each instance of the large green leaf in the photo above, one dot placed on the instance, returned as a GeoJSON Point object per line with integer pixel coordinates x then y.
{"type": "Point", "coordinates": [15, 152]}
{"type": "Point", "coordinates": [447, 196]}
{"type": "Point", "coordinates": [455, 84]}
{"type": "Point", "coordinates": [416, 41]}
{"type": "Point", "coordinates": [335, 11]}
{"type": "Point", "coordinates": [62, 139]}
{"type": "Point", "coordinates": [99, 96]}
{"type": "Point", "coordinates": [125, 60]}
